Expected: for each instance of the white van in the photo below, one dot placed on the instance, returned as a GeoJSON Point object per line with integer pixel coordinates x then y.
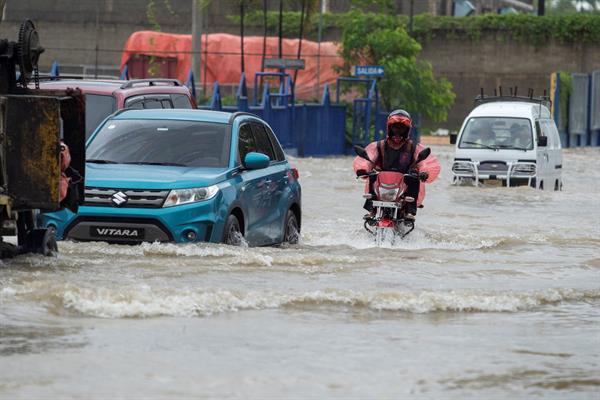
{"type": "Point", "coordinates": [508, 141]}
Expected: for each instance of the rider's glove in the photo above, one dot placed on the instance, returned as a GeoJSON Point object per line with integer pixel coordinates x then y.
{"type": "Point", "coordinates": [423, 176]}
{"type": "Point", "coordinates": [361, 172]}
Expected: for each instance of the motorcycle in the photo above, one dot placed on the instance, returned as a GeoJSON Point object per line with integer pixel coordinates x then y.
{"type": "Point", "coordinates": [389, 220]}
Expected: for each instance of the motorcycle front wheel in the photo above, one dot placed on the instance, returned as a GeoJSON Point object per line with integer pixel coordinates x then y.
{"type": "Point", "coordinates": [384, 235]}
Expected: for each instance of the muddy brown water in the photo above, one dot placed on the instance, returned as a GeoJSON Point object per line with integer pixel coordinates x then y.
{"type": "Point", "coordinates": [495, 295]}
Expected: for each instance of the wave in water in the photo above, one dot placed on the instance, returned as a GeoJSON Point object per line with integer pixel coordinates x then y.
{"type": "Point", "coordinates": [143, 301]}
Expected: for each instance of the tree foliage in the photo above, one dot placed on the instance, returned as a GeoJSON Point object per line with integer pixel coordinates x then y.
{"type": "Point", "coordinates": [408, 83]}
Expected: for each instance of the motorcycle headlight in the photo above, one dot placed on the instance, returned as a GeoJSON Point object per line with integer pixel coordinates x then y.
{"type": "Point", "coordinates": [177, 197]}
{"type": "Point", "coordinates": [388, 194]}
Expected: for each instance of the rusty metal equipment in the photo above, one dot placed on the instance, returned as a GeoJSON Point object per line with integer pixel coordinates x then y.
{"type": "Point", "coordinates": [32, 125]}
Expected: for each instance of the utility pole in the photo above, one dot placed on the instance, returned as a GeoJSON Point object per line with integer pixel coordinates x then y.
{"type": "Point", "coordinates": [280, 28]}
{"type": "Point", "coordinates": [97, 44]}
{"type": "Point", "coordinates": [319, 33]}
{"type": "Point", "coordinates": [541, 7]}
{"type": "Point", "coordinates": [412, 13]}
{"type": "Point", "coordinates": [196, 38]}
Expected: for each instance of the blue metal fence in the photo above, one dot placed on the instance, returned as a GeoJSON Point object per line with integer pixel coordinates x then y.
{"type": "Point", "coordinates": [595, 109]}
{"type": "Point", "coordinates": [579, 122]}
{"type": "Point", "coordinates": [302, 129]}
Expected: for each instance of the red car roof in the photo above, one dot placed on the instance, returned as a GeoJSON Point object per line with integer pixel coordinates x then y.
{"type": "Point", "coordinates": [127, 88]}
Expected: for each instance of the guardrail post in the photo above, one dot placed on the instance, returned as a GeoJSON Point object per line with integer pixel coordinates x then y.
{"type": "Point", "coordinates": [242, 94]}
{"type": "Point", "coordinates": [215, 102]}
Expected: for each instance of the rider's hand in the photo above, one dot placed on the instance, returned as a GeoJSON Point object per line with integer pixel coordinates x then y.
{"type": "Point", "coordinates": [423, 176]}
{"type": "Point", "coordinates": [361, 172]}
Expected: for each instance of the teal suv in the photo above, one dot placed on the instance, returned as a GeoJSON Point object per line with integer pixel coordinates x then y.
{"type": "Point", "coordinates": [184, 176]}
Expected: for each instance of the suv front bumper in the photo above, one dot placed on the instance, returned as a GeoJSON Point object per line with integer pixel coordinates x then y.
{"type": "Point", "coordinates": [193, 222]}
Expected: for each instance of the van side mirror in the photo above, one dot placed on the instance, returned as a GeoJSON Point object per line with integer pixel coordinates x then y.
{"type": "Point", "coordinates": [453, 137]}
{"type": "Point", "coordinates": [543, 141]}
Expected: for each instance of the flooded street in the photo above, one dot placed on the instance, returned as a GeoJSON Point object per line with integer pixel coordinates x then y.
{"type": "Point", "coordinates": [496, 295]}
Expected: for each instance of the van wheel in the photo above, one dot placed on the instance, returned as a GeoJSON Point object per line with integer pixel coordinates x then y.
{"type": "Point", "coordinates": [291, 232]}
{"type": "Point", "coordinates": [232, 234]}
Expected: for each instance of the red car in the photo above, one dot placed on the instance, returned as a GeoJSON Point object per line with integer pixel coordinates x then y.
{"type": "Point", "coordinates": [103, 97]}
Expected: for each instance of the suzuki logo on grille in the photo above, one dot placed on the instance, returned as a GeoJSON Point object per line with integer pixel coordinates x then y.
{"type": "Point", "coordinates": [119, 198]}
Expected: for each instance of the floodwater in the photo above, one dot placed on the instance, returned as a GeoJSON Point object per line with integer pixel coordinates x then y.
{"type": "Point", "coordinates": [495, 295]}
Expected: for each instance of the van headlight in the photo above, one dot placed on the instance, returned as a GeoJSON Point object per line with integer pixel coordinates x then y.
{"type": "Point", "coordinates": [461, 166]}
{"type": "Point", "coordinates": [524, 169]}
{"type": "Point", "coordinates": [178, 197]}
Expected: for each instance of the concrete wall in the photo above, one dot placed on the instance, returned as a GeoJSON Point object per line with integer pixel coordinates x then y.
{"type": "Point", "coordinates": [494, 60]}
{"type": "Point", "coordinates": [71, 31]}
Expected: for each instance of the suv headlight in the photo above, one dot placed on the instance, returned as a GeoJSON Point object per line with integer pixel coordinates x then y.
{"type": "Point", "coordinates": [177, 197]}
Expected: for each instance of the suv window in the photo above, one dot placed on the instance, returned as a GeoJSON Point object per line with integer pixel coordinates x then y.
{"type": "Point", "coordinates": [246, 143]}
{"type": "Point", "coordinates": [263, 144]}
{"type": "Point", "coordinates": [279, 154]}
{"type": "Point", "coordinates": [97, 108]}
{"type": "Point", "coordinates": [181, 101]}
{"type": "Point", "coordinates": [154, 101]}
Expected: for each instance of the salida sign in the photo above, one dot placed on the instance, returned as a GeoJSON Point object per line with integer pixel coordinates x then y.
{"type": "Point", "coordinates": [367, 70]}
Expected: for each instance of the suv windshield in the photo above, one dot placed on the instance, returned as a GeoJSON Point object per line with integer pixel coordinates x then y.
{"type": "Point", "coordinates": [161, 142]}
{"type": "Point", "coordinates": [497, 133]}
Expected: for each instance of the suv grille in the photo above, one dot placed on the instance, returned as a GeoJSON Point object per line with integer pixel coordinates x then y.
{"type": "Point", "coordinates": [135, 198]}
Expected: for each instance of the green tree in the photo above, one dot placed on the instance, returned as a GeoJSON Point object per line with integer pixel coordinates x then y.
{"type": "Point", "coordinates": [563, 7]}
{"type": "Point", "coordinates": [408, 82]}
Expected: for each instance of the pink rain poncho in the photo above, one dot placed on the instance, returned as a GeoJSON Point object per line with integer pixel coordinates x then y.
{"type": "Point", "coordinates": [430, 165]}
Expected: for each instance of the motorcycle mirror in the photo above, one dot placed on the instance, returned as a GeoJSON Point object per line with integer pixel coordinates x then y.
{"type": "Point", "coordinates": [361, 152]}
{"type": "Point", "coordinates": [423, 154]}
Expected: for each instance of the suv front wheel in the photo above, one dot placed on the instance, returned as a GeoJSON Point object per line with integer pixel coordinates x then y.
{"type": "Point", "coordinates": [291, 232]}
{"type": "Point", "coordinates": [233, 233]}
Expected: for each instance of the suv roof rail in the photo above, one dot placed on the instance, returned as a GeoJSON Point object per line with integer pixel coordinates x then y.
{"type": "Point", "coordinates": [241, 113]}
{"type": "Point", "coordinates": [150, 82]}
{"type": "Point", "coordinates": [542, 100]}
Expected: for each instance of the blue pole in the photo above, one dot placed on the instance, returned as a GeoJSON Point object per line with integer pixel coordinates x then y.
{"type": "Point", "coordinates": [54, 73]}
{"type": "Point", "coordinates": [125, 73]}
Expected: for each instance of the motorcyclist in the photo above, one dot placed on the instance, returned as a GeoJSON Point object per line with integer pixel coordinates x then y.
{"type": "Point", "coordinates": [398, 153]}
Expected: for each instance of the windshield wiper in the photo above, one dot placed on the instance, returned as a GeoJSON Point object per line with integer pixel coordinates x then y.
{"type": "Point", "coordinates": [170, 164]}
{"type": "Point", "coordinates": [98, 161]}
{"type": "Point", "coordinates": [508, 146]}
{"type": "Point", "coordinates": [482, 145]}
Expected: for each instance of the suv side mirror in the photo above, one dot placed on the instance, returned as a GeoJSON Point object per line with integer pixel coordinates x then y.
{"type": "Point", "coordinates": [256, 160]}
{"type": "Point", "coordinates": [543, 141]}
{"type": "Point", "coordinates": [453, 137]}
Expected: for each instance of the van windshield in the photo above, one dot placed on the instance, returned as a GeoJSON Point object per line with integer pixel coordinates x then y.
{"type": "Point", "coordinates": [497, 133]}
{"type": "Point", "coordinates": [161, 142]}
